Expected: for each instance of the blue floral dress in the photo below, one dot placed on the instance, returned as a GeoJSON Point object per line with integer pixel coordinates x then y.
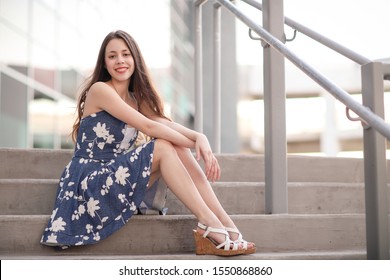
{"type": "Point", "coordinates": [103, 184]}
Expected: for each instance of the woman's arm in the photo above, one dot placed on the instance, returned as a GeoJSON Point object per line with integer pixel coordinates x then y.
{"type": "Point", "coordinates": [200, 139]}
{"type": "Point", "coordinates": [189, 133]}
{"type": "Point", "coordinates": [202, 145]}
{"type": "Point", "coordinates": [102, 97]}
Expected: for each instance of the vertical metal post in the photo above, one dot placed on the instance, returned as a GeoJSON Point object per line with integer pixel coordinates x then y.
{"type": "Point", "coordinates": [198, 67]}
{"type": "Point", "coordinates": [275, 113]}
{"type": "Point", "coordinates": [30, 71]}
{"type": "Point", "coordinates": [57, 85]}
{"type": "Point", "coordinates": [375, 170]}
{"type": "Point", "coordinates": [217, 79]}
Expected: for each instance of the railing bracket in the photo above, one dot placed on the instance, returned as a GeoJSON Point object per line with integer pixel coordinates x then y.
{"type": "Point", "coordinates": [365, 125]}
{"type": "Point", "coordinates": [264, 44]}
{"type": "Point", "coordinates": [292, 38]}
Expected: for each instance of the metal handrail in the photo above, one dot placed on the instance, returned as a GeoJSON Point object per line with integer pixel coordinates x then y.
{"type": "Point", "coordinates": [358, 58]}
{"type": "Point", "coordinates": [363, 112]}
{"type": "Point", "coordinates": [373, 73]}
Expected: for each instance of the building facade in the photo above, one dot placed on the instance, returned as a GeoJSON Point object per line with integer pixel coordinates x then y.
{"type": "Point", "coordinates": [48, 48]}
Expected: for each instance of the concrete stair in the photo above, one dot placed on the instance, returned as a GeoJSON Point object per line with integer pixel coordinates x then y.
{"type": "Point", "coordinates": [325, 220]}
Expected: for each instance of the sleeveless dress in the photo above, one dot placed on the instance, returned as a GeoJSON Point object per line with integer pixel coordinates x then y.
{"type": "Point", "coordinates": [103, 184]}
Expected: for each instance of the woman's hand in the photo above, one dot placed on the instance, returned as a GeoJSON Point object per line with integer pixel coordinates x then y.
{"type": "Point", "coordinates": [203, 150]}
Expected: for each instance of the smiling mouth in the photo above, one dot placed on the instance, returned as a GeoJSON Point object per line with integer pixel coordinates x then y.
{"type": "Point", "coordinates": [121, 69]}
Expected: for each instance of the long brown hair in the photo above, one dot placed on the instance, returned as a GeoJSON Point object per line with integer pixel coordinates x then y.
{"type": "Point", "coordinates": [140, 82]}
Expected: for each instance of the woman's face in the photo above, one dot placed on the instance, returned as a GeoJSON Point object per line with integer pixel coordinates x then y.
{"type": "Point", "coordinates": [119, 60]}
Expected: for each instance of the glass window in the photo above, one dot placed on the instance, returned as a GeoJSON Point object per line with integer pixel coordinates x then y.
{"type": "Point", "coordinates": [68, 46]}
{"type": "Point", "coordinates": [69, 10]}
{"type": "Point", "coordinates": [43, 26]}
{"type": "Point", "coordinates": [50, 3]}
{"type": "Point", "coordinates": [42, 57]}
{"type": "Point", "coordinates": [13, 47]}
{"type": "Point", "coordinates": [15, 12]}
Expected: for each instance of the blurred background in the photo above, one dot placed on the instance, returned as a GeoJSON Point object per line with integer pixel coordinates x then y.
{"type": "Point", "coordinates": [49, 47]}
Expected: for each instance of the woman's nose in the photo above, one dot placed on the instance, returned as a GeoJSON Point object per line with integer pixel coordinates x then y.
{"type": "Point", "coordinates": [120, 59]}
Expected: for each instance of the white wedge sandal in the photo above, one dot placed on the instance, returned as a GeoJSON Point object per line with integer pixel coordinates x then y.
{"type": "Point", "coordinates": [204, 245]}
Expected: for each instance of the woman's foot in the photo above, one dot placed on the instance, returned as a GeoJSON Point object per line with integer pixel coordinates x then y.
{"type": "Point", "coordinates": [236, 236]}
{"type": "Point", "coordinates": [215, 241]}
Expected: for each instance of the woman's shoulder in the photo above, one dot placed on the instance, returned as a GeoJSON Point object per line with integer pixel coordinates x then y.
{"type": "Point", "coordinates": [98, 87]}
{"type": "Point", "coordinates": [96, 96]}
{"type": "Point", "coordinates": [100, 90]}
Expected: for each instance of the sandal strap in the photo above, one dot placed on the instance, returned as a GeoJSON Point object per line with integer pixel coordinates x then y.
{"type": "Point", "coordinates": [202, 226]}
{"type": "Point", "coordinates": [236, 231]}
{"type": "Point", "coordinates": [227, 244]}
{"type": "Point", "coordinates": [239, 239]}
{"type": "Point", "coordinates": [208, 229]}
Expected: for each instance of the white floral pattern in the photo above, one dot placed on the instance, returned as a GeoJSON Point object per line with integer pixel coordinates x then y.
{"type": "Point", "coordinates": [121, 174]}
{"type": "Point", "coordinates": [103, 184]}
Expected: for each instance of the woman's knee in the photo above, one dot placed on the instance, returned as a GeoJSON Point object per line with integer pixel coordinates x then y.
{"type": "Point", "coordinates": [182, 150]}
{"type": "Point", "coordinates": [162, 147]}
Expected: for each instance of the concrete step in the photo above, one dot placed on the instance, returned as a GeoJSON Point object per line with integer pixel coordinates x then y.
{"type": "Point", "coordinates": [172, 234]}
{"type": "Point", "coordinates": [33, 163]}
{"type": "Point", "coordinates": [326, 206]}
{"type": "Point", "coordinates": [303, 198]}
{"type": "Point", "coordinates": [304, 255]}
{"type": "Point", "coordinates": [36, 197]}
{"type": "Point", "coordinates": [48, 164]}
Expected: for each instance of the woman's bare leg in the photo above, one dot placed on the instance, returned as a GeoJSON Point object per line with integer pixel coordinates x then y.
{"type": "Point", "coordinates": [203, 185]}
{"type": "Point", "coordinates": [204, 188]}
{"type": "Point", "coordinates": [167, 162]}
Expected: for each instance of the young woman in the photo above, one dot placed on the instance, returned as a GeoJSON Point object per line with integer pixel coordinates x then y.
{"type": "Point", "coordinates": [106, 180]}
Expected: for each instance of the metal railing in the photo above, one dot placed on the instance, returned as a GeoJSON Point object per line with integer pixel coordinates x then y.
{"type": "Point", "coordinates": [371, 112]}
{"type": "Point", "coordinates": [317, 37]}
